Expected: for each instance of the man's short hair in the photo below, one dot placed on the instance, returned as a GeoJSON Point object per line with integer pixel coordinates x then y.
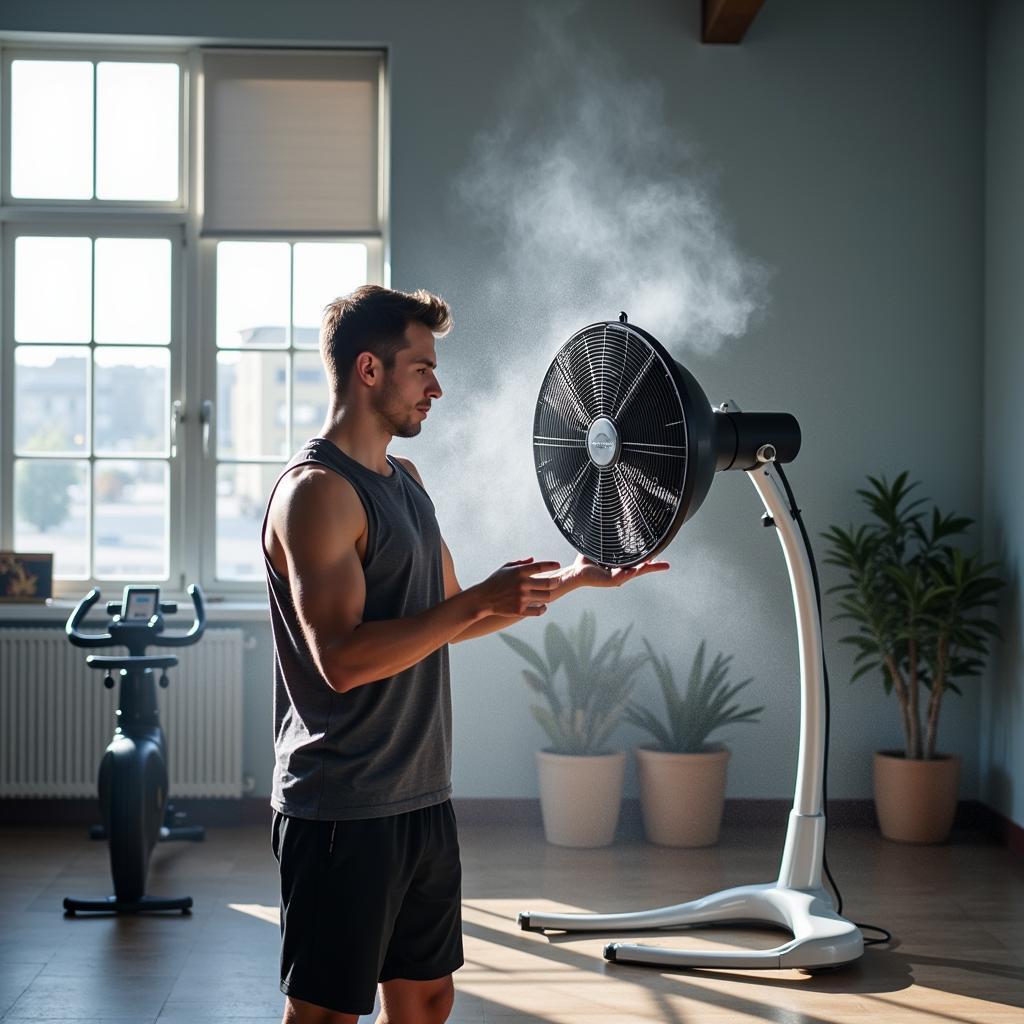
{"type": "Point", "coordinates": [374, 319]}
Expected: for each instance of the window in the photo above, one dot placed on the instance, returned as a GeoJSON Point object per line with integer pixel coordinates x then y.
{"type": "Point", "coordinates": [95, 129]}
{"type": "Point", "coordinates": [92, 384]}
{"type": "Point", "coordinates": [161, 311]}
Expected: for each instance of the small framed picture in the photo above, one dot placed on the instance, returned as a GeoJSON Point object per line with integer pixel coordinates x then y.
{"type": "Point", "coordinates": [26, 576]}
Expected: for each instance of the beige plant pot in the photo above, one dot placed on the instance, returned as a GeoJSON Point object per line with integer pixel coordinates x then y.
{"type": "Point", "coordinates": [580, 797]}
{"type": "Point", "coordinates": [916, 800]}
{"type": "Point", "coordinates": [682, 795]}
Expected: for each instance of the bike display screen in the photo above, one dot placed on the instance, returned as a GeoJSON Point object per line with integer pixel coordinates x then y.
{"type": "Point", "coordinates": [140, 604]}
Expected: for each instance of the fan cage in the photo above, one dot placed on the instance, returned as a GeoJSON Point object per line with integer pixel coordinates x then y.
{"type": "Point", "coordinates": [627, 511]}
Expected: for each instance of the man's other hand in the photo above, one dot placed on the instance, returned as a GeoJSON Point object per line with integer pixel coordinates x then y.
{"type": "Point", "coordinates": [585, 573]}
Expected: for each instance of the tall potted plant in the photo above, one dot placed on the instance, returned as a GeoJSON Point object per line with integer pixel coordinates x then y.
{"type": "Point", "coordinates": [683, 776]}
{"type": "Point", "coordinates": [580, 779]}
{"type": "Point", "coordinates": [920, 606]}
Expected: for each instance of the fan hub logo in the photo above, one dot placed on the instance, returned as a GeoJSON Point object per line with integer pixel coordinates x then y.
{"type": "Point", "coordinates": [603, 442]}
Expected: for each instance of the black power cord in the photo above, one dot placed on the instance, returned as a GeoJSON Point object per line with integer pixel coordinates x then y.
{"type": "Point", "coordinates": [795, 512]}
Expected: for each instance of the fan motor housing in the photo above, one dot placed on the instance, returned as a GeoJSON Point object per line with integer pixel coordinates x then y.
{"type": "Point", "coordinates": [741, 436]}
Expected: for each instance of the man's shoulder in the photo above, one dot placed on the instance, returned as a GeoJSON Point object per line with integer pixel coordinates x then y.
{"type": "Point", "coordinates": [311, 489]}
{"type": "Point", "coordinates": [310, 478]}
{"type": "Point", "coordinates": [408, 464]}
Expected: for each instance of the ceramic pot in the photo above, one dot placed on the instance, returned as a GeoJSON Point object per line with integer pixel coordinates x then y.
{"type": "Point", "coordinates": [916, 800]}
{"type": "Point", "coordinates": [682, 795]}
{"type": "Point", "coordinates": [580, 797]}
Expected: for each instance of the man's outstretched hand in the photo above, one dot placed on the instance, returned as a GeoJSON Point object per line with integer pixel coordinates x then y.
{"type": "Point", "coordinates": [585, 573]}
{"type": "Point", "coordinates": [527, 588]}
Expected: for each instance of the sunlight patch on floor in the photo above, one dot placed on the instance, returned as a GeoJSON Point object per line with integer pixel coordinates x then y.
{"type": "Point", "coordinates": [272, 915]}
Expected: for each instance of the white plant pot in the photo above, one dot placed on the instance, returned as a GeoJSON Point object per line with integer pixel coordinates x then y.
{"type": "Point", "coordinates": [580, 797]}
{"type": "Point", "coordinates": [682, 796]}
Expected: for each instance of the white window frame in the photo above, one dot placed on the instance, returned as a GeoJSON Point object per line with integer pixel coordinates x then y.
{"type": "Point", "coordinates": [192, 554]}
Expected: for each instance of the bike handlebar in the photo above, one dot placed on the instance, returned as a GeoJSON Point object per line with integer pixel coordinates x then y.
{"type": "Point", "coordinates": [198, 626]}
{"type": "Point", "coordinates": [80, 639]}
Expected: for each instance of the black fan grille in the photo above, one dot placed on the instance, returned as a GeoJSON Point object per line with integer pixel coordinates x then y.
{"type": "Point", "coordinates": [618, 514]}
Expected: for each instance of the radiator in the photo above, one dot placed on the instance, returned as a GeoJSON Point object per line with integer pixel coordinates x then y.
{"type": "Point", "coordinates": [57, 717]}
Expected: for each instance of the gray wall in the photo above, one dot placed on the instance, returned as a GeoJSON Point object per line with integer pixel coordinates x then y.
{"type": "Point", "coordinates": [842, 150]}
{"type": "Point", "coordinates": [1002, 726]}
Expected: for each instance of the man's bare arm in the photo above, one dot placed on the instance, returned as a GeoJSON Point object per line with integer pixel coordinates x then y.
{"type": "Point", "coordinates": [319, 530]}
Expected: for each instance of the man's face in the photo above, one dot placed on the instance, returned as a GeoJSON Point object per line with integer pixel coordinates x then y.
{"type": "Point", "coordinates": [410, 385]}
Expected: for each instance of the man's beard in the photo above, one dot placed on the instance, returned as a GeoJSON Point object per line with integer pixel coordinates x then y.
{"type": "Point", "coordinates": [396, 417]}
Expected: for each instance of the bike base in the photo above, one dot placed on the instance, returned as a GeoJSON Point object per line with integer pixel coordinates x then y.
{"type": "Point", "coordinates": [184, 833]}
{"type": "Point", "coordinates": [112, 905]}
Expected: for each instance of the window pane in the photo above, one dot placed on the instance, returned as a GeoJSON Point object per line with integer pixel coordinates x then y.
{"type": "Point", "coordinates": [51, 129]}
{"type": "Point", "coordinates": [132, 403]}
{"type": "Point", "coordinates": [252, 293]}
{"type": "Point", "coordinates": [309, 396]}
{"type": "Point", "coordinates": [131, 519]}
{"type": "Point", "coordinates": [52, 289]}
{"type": "Point", "coordinates": [133, 291]}
{"type": "Point", "coordinates": [242, 493]}
{"type": "Point", "coordinates": [323, 271]}
{"type": "Point", "coordinates": [252, 404]}
{"type": "Point", "coordinates": [136, 131]}
{"type": "Point", "coordinates": [51, 512]}
{"type": "Point", "coordinates": [51, 388]}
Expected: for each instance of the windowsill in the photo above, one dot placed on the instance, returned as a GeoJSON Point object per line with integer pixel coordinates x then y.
{"type": "Point", "coordinates": [58, 610]}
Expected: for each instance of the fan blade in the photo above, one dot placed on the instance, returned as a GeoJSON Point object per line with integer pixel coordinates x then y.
{"type": "Point", "coordinates": [668, 451]}
{"type": "Point", "coordinates": [634, 385]}
{"type": "Point", "coordinates": [556, 410]}
{"type": "Point", "coordinates": [559, 442]}
{"type": "Point", "coordinates": [586, 417]}
{"type": "Point", "coordinates": [660, 498]}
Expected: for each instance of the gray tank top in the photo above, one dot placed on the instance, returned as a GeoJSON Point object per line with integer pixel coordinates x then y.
{"type": "Point", "coordinates": [386, 747]}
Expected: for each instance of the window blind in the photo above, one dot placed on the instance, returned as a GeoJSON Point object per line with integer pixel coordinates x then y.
{"type": "Point", "coordinates": [291, 141]}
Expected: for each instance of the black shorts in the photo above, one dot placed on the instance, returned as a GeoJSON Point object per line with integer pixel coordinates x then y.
{"type": "Point", "coordinates": [366, 901]}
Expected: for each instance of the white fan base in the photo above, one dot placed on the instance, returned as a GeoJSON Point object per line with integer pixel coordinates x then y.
{"type": "Point", "coordinates": [797, 901]}
{"type": "Point", "coordinates": [821, 938]}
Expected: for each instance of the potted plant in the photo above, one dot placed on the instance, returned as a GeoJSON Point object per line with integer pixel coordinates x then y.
{"type": "Point", "coordinates": [920, 606]}
{"type": "Point", "coordinates": [682, 776]}
{"type": "Point", "coordinates": [580, 779]}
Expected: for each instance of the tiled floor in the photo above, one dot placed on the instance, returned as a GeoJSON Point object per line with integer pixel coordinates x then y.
{"type": "Point", "coordinates": [957, 912]}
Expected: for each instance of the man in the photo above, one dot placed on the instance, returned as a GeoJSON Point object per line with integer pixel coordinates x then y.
{"type": "Point", "coordinates": [364, 602]}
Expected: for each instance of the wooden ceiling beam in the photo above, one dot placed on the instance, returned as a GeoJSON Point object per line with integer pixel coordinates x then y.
{"type": "Point", "coordinates": [726, 21]}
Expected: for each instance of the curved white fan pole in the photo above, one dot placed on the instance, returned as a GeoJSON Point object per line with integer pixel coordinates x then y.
{"type": "Point", "coordinates": [797, 901]}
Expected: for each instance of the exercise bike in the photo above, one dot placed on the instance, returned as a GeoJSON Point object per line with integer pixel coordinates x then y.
{"type": "Point", "coordinates": [133, 773]}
